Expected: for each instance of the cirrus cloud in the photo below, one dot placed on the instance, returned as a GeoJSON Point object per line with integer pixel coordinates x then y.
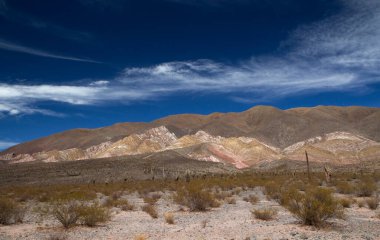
{"type": "Point", "coordinates": [341, 52]}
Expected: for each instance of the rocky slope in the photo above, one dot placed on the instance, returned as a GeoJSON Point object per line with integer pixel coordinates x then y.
{"type": "Point", "coordinates": [279, 128]}
{"type": "Point", "coordinates": [242, 152]}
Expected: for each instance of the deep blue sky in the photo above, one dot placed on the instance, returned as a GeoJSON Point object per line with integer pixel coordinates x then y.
{"type": "Point", "coordinates": [92, 63]}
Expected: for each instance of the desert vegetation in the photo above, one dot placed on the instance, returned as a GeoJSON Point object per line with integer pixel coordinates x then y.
{"type": "Point", "coordinates": [265, 214]}
{"type": "Point", "coordinates": [307, 201]}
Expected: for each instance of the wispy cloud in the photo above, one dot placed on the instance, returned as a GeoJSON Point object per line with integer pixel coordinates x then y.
{"type": "Point", "coordinates": [6, 144]}
{"type": "Point", "coordinates": [32, 51]}
{"type": "Point", "coordinates": [341, 52]}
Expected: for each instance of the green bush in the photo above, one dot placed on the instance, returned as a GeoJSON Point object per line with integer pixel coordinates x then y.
{"type": "Point", "coordinates": [10, 211]}
{"type": "Point", "coordinates": [315, 206]}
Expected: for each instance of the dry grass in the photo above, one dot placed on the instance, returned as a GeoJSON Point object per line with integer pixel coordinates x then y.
{"type": "Point", "coordinates": [150, 209]}
{"type": "Point", "coordinates": [345, 202]}
{"type": "Point", "coordinates": [372, 203]}
{"type": "Point", "coordinates": [10, 211]}
{"type": "Point", "coordinates": [140, 237]}
{"type": "Point", "coordinates": [361, 203]}
{"type": "Point", "coordinates": [253, 199]}
{"type": "Point", "coordinates": [345, 187]}
{"type": "Point", "coordinates": [265, 214]}
{"type": "Point", "coordinates": [152, 198]}
{"type": "Point", "coordinates": [169, 218]}
{"type": "Point", "coordinates": [366, 187]}
{"type": "Point", "coordinates": [231, 200]}
{"type": "Point", "coordinates": [123, 204]}
{"type": "Point", "coordinates": [195, 198]}
{"type": "Point", "coordinates": [91, 215]}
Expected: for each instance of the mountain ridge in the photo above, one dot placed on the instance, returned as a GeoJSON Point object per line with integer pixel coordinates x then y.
{"type": "Point", "coordinates": [255, 122]}
{"type": "Point", "coordinates": [241, 139]}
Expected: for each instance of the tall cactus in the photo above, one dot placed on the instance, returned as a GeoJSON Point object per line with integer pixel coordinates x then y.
{"type": "Point", "coordinates": [308, 166]}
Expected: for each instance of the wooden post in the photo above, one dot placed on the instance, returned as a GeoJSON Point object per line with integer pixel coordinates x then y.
{"type": "Point", "coordinates": [308, 166]}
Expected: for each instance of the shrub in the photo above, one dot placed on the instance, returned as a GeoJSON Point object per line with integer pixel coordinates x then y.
{"type": "Point", "coordinates": [67, 213]}
{"type": "Point", "coordinates": [222, 195]}
{"type": "Point", "coordinates": [151, 210]}
{"type": "Point", "coordinates": [140, 237]}
{"type": "Point", "coordinates": [152, 199]}
{"type": "Point", "coordinates": [345, 202]}
{"type": "Point", "coordinates": [273, 190]}
{"type": "Point", "coordinates": [10, 211]}
{"type": "Point", "coordinates": [195, 198]}
{"type": "Point", "coordinates": [366, 187]}
{"type": "Point", "coordinates": [361, 203]}
{"type": "Point", "coordinates": [373, 203]}
{"type": "Point", "coordinates": [265, 214]}
{"type": "Point", "coordinates": [345, 187]}
{"type": "Point", "coordinates": [169, 217]}
{"type": "Point", "coordinates": [231, 200]}
{"type": "Point", "coordinates": [315, 206]}
{"type": "Point", "coordinates": [253, 199]}
{"type": "Point", "coordinates": [123, 204]}
{"type": "Point", "coordinates": [93, 214]}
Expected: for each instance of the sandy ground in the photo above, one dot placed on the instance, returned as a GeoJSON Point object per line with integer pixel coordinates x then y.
{"type": "Point", "coordinates": [230, 221]}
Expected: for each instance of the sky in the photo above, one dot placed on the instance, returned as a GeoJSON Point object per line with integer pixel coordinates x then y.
{"type": "Point", "coordinates": [92, 63]}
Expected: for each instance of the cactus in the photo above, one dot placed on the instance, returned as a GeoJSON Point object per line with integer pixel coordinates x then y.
{"type": "Point", "coordinates": [308, 166]}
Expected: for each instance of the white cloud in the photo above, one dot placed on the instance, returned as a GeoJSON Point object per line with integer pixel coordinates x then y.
{"type": "Point", "coordinates": [6, 144]}
{"type": "Point", "coordinates": [100, 83]}
{"type": "Point", "coordinates": [18, 48]}
{"type": "Point", "coordinates": [341, 52]}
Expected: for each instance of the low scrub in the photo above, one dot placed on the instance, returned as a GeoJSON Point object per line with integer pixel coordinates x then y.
{"type": "Point", "coordinates": [70, 212]}
{"type": "Point", "coordinates": [273, 190]}
{"type": "Point", "coordinates": [150, 209]}
{"type": "Point", "coordinates": [373, 203]}
{"type": "Point", "coordinates": [361, 203]}
{"type": "Point", "coordinates": [67, 213]}
{"type": "Point", "coordinates": [345, 202]}
{"type": "Point", "coordinates": [265, 214]}
{"type": "Point", "coordinates": [315, 206]}
{"type": "Point", "coordinates": [195, 198]}
{"type": "Point", "coordinates": [123, 204]}
{"type": "Point", "coordinates": [10, 211]}
{"type": "Point", "coordinates": [345, 187]}
{"type": "Point", "coordinates": [231, 200]}
{"type": "Point", "coordinates": [152, 198]}
{"type": "Point", "coordinates": [366, 187]}
{"type": "Point", "coordinates": [253, 199]}
{"type": "Point", "coordinates": [169, 218]}
{"type": "Point", "coordinates": [91, 215]}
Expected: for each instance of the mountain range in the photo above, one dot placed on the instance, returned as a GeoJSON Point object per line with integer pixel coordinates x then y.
{"type": "Point", "coordinates": [262, 134]}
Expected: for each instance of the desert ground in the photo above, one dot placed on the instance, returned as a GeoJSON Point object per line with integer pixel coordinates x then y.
{"type": "Point", "coordinates": [225, 210]}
